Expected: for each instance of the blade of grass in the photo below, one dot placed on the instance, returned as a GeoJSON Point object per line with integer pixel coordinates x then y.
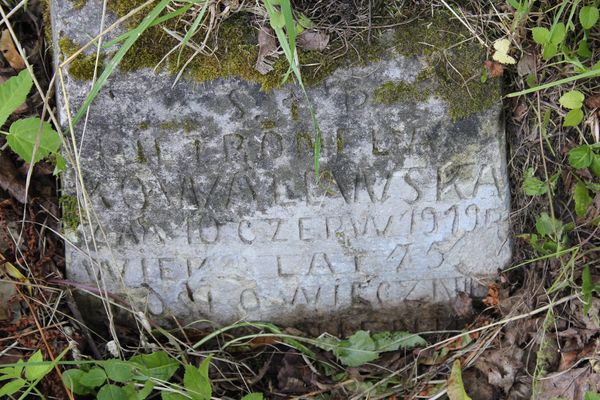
{"type": "Point", "coordinates": [192, 30]}
{"type": "Point", "coordinates": [157, 21]}
{"type": "Point", "coordinates": [288, 45]}
{"type": "Point", "coordinates": [135, 34]}
{"type": "Point", "coordinates": [588, 74]}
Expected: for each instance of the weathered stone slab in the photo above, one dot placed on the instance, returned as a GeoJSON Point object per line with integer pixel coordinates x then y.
{"type": "Point", "coordinates": [207, 196]}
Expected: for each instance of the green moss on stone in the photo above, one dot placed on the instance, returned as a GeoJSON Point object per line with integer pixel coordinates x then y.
{"type": "Point", "coordinates": [452, 59]}
{"type": "Point", "coordinates": [82, 66]}
{"type": "Point", "coordinates": [70, 211]}
{"type": "Point", "coordinates": [294, 110]}
{"type": "Point", "coordinates": [453, 65]}
{"type": "Point", "coordinates": [268, 124]}
{"type": "Point", "coordinates": [391, 92]}
{"type": "Point", "coordinates": [141, 157]}
{"type": "Point", "coordinates": [78, 4]}
{"type": "Point", "coordinates": [339, 141]}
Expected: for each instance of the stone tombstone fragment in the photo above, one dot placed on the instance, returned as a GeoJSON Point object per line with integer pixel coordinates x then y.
{"type": "Point", "coordinates": [206, 205]}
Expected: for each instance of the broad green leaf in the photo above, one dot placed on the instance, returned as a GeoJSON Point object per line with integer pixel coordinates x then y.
{"type": "Point", "coordinates": [196, 381]}
{"type": "Point", "coordinates": [573, 117]}
{"type": "Point", "coordinates": [532, 186]}
{"type": "Point", "coordinates": [581, 157]}
{"type": "Point", "coordinates": [558, 33]}
{"type": "Point", "coordinates": [172, 396]}
{"type": "Point", "coordinates": [22, 138]}
{"type": "Point", "coordinates": [587, 286]}
{"type": "Point", "coordinates": [548, 226]}
{"type": "Point", "coordinates": [118, 370]}
{"type": "Point", "coordinates": [541, 35]}
{"type": "Point", "coordinates": [456, 387]}
{"type": "Point", "coordinates": [392, 341]}
{"type": "Point", "coordinates": [93, 378]}
{"type": "Point", "coordinates": [71, 379]}
{"type": "Point", "coordinates": [111, 392]}
{"type": "Point", "coordinates": [253, 396]}
{"type": "Point", "coordinates": [583, 50]}
{"type": "Point", "coordinates": [13, 93]}
{"type": "Point", "coordinates": [157, 365]}
{"type": "Point", "coordinates": [582, 198]}
{"type": "Point", "coordinates": [572, 99]}
{"type": "Point", "coordinates": [588, 16]}
{"type": "Point", "coordinates": [133, 393]}
{"type": "Point", "coordinates": [550, 51]}
{"type": "Point", "coordinates": [12, 387]}
{"type": "Point", "coordinates": [36, 368]}
{"type": "Point", "coordinates": [595, 166]}
{"type": "Point", "coordinates": [359, 349]}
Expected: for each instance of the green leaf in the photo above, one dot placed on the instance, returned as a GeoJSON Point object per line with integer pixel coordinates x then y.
{"type": "Point", "coordinates": [93, 378]}
{"type": "Point", "coordinates": [532, 186]}
{"type": "Point", "coordinates": [158, 365]}
{"type": "Point", "coordinates": [583, 50]}
{"type": "Point", "coordinates": [573, 117]}
{"type": "Point", "coordinates": [36, 368]}
{"type": "Point", "coordinates": [60, 164]}
{"type": "Point", "coordinates": [133, 393]}
{"type": "Point", "coordinates": [392, 341]}
{"type": "Point", "coordinates": [588, 16]}
{"type": "Point", "coordinates": [111, 392]}
{"type": "Point", "coordinates": [550, 51]}
{"type": "Point", "coordinates": [12, 387]}
{"type": "Point", "coordinates": [582, 198]}
{"type": "Point", "coordinates": [572, 99]}
{"type": "Point", "coordinates": [196, 381]}
{"type": "Point", "coordinates": [595, 166]}
{"type": "Point", "coordinates": [541, 35]}
{"type": "Point", "coordinates": [456, 387]}
{"type": "Point", "coordinates": [548, 226]}
{"type": "Point", "coordinates": [253, 396]}
{"type": "Point", "coordinates": [581, 157]}
{"type": "Point", "coordinates": [13, 93]}
{"type": "Point", "coordinates": [558, 34]}
{"type": "Point", "coordinates": [359, 349]}
{"type": "Point", "coordinates": [172, 396]}
{"type": "Point", "coordinates": [71, 378]}
{"type": "Point", "coordinates": [118, 370]}
{"type": "Point", "coordinates": [22, 138]}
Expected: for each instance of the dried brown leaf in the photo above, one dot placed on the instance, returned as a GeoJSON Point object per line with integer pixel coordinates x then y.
{"type": "Point", "coordinates": [313, 40]}
{"type": "Point", "coordinates": [9, 51]}
{"type": "Point", "coordinates": [494, 68]}
{"type": "Point", "coordinates": [593, 101]}
{"type": "Point", "coordinates": [526, 65]}
{"type": "Point", "coordinates": [267, 46]}
{"type": "Point", "coordinates": [463, 305]}
{"type": "Point", "coordinates": [501, 366]}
